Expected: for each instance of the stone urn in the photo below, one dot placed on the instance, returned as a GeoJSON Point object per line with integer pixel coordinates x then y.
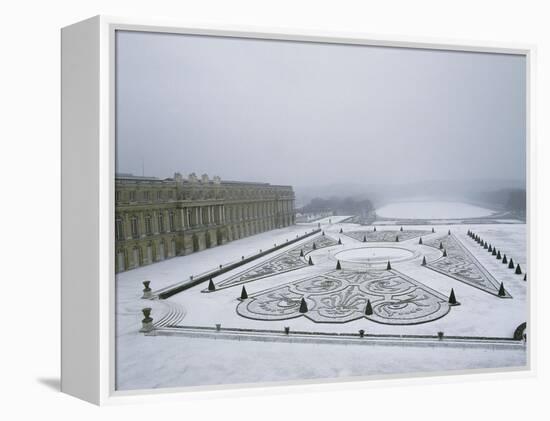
{"type": "Point", "coordinates": [147, 322]}
{"type": "Point", "coordinates": [147, 292]}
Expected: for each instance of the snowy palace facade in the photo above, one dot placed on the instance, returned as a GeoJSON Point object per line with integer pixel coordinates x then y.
{"type": "Point", "coordinates": [156, 219]}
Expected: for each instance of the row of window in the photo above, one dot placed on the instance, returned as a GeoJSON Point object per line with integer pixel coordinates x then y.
{"type": "Point", "coordinates": [144, 196]}
{"type": "Point", "coordinates": [161, 195]}
{"type": "Point", "coordinates": [148, 225]}
{"type": "Point", "coordinates": [134, 225]}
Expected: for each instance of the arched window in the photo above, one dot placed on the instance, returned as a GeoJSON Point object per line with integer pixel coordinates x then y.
{"type": "Point", "coordinates": [173, 247]}
{"type": "Point", "coordinates": [137, 256]}
{"type": "Point", "coordinates": [161, 222]}
{"type": "Point", "coordinates": [135, 227]}
{"type": "Point", "coordinates": [172, 221]}
{"type": "Point", "coordinates": [148, 225]}
{"type": "Point", "coordinates": [161, 251]}
{"type": "Point", "coordinates": [119, 229]}
{"type": "Point", "coordinates": [120, 261]}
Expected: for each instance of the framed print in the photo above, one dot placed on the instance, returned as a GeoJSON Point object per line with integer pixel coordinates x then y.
{"type": "Point", "coordinates": [249, 208]}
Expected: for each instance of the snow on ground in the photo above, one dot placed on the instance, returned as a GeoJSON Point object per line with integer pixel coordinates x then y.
{"type": "Point", "coordinates": [150, 362]}
{"type": "Point", "coordinates": [432, 210]}
{"type": "Point", "coordinates": [480, 313]}
{"type": "Point", "coordinates": [145, 362]}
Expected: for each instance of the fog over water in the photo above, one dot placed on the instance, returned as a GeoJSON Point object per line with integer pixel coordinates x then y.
{"type": "Point", "coordinates": [320, 117]}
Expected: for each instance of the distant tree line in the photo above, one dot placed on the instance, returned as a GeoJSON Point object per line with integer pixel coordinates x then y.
{"type": "Point", "coordinates": [512, 200]}
{"type": "Point", "coordinates": [339, 206]}
{"type": "Point", "coordinates": [517, 200]}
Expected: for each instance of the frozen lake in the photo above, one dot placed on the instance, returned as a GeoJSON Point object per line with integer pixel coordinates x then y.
{"type": "Point", "coordinates": [432, 210]}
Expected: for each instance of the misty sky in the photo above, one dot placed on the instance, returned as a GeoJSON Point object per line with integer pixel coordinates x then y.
{"type": "Point", "coordinates": [316, 114]}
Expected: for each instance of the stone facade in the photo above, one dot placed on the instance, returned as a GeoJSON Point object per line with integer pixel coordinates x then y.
{"type": "Point", "coordinates": [156, 219]}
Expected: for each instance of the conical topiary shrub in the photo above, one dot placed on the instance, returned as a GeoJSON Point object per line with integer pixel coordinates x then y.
{"type": "Point", "coordinates": [388, 266]}
{"type": "Point", "coordinates": [368, 308]}
{"type": "Point", "coordinates": [244, 294]}
{"type": "Point", "coordinates": [302, 253]}
{"type": "Point", "coordinates": [494, 253]}
{"type": "Point", "coordinates": [310, 262]}
{"type": "Point", "coordinates": [374, 229]}
{"type": "Point", "coordinates": [485, 246]}
{"type": "Point", "coordinates": [504, 259]}
{"type": "Point", "coordinates": [340, 241]}
{"type": "Point", "coordinates": [433, 230]}
{"type": "Point", "coordinates": [490, 249]}
{"type": "Point", "coordinates": [420, 241]}
{"type": "Point", "coordinates": [501, 290]}
{"type": "Point", "coordinates": [424, 261]}
{"type": "Point", "coordinates": [511, 264]}
{"type": "Point", "coordinates": [440, 245]}
{"type": "Point", "coordinates": [518, 270]}
{"type": "Point", "coordinates": [401, 229]}
{"type": "Point", "coordinates": [397, 239]}
{"type": "Point", "coordinates": [314, 246]}
{"type": "Point", "coordinates": [498, 255]}
{"type": "Point", "coordinates": [364, 238]}
{"type": "Point", "coordinates": [444, 252]}
{"type": "Point", "coordinates": [449, 233]}
{"type": "Point", "coordinates": [211, 286]}
{"type": "Point", "coordinates": [303, 306]}
{"type": "Point", "coordinates": [341, 231]}
{"type": "Point", "coordinates": [338, 265]}
{"type": "Point", "coordinates": [452, 298]}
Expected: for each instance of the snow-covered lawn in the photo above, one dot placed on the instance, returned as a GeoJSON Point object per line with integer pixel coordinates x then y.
{"type": "Point", "coordinates": [145, 362]}
{"type": "Point", "coordinates": [159, 361]}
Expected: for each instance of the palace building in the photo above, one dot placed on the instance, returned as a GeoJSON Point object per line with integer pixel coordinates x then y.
{"type": "Point", "coordinates": [156, 219]}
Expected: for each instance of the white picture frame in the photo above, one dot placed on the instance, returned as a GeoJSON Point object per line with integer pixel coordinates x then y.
{"type": "Point", "coordinates": [88, 168]}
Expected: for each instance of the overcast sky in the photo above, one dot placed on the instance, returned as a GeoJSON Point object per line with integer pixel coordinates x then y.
{"type": "Point", "coordinates": [316, 114]}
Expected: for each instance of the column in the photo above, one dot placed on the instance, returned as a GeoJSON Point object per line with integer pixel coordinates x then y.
{"type": "Point", "coordinates": [155, 223]}
{"type": "Point", "coordinates": [141, 220]}
{"type": "Point", "coordinates": [127, 226]}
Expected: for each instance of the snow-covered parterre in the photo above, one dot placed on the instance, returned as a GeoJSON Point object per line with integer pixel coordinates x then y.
{"type": "Point", "coordinates": [409, 290]}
